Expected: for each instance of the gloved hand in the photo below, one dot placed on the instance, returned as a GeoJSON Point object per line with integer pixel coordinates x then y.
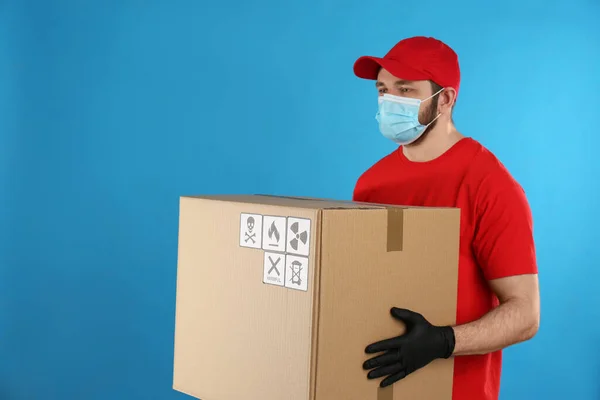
{"type": "Point", "coordinates": [421, 344]}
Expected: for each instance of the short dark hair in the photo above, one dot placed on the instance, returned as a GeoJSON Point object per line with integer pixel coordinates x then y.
{"type": "Point", "coordinates": [435, 87]}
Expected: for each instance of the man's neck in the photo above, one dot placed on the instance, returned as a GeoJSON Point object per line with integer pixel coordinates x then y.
{"type": "Point", "coordinates": [435, 143]}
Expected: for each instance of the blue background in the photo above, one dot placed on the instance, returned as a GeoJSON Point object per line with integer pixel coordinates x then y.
{"type": "Point", "coordinates": [110, 110]}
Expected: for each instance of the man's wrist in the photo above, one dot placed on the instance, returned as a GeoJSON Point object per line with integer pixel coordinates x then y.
{"type": "Point", "coordinates": [449, 340]}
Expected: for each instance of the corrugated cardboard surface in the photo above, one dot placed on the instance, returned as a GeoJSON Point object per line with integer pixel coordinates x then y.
{"type": "Point", "coordinates": [361, 280]}
{"type": "Point", "coordinates": [238, 338]}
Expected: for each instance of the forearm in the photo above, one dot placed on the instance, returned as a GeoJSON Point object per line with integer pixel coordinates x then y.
{"type": "Point", "coordinates": [512, 322]}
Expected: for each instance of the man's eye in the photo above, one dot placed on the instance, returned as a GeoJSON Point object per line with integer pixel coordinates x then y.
{"type": "Point", "coordinates": [404, 90]}
{"type": "Point", "coordinates": [382, 91]}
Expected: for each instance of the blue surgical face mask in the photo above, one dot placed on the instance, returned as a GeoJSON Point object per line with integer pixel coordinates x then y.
{"type": "Point", "coordinates": [398, 118]}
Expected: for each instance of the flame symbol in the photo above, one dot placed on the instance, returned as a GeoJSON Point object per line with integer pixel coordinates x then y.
{"type": "Point", "coordinates": [273, 231]}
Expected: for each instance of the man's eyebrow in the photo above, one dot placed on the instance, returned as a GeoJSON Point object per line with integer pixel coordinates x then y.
{"type": "Point", "coordinates": [400, 82]}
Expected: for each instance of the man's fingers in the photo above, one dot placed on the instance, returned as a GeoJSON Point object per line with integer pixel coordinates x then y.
{"type": "Point", "coordinates": [383, 371]}
{"type": "Point", "coordinates": [407, 316]}
{"type": "Point", "coordinates": [382, 360]}
{"type": "Point", "coordinates": [384, 345]}
{"type": "Point", "coordinates": [393, 378]}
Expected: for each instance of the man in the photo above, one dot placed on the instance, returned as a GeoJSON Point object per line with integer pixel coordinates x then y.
{"type": "Point", "coordinates": [436, 166]}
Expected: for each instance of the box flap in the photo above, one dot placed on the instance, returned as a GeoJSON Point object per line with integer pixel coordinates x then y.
{"type": "Point", "coordinates": [303, 202]}
{"type": "Point", "coordinates": [289, 201]}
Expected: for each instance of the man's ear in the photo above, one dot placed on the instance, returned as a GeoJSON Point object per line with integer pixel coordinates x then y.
{"type": "Point", "coordinates": [447, 99]}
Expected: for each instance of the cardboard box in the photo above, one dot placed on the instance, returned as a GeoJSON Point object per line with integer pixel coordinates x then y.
{"type": "Point", "coordinates": [278, 297]}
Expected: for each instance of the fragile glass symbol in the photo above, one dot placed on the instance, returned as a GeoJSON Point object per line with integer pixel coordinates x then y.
{"type": "Point", "coordinates": [296, 267]}
{"type": "Point", "coordinates": [302, 236]}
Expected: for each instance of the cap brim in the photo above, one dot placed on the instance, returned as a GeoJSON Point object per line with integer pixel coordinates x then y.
{"type": "Point", "coordinates": [368, 67]}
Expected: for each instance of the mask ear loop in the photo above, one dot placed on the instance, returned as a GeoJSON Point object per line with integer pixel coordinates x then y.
{"type": "Point", "coordinates": [433, 95]}
{"type": "Point", "coordinates": [432, 121]}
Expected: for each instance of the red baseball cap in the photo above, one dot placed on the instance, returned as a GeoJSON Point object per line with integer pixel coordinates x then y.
{"type": "Point", "coordinates": [415, 59]}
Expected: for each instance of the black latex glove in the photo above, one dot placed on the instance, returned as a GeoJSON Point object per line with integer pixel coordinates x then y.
{"type": "Point", "coordinates": [421, 344]}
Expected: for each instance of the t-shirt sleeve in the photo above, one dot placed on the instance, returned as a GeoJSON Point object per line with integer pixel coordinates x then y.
{"type": "Point", "coordinates": [361, 188]}
{"type": "Point", "coordinates": [503, 243]}
{"type": "Point", "coordinates": [357, 193]}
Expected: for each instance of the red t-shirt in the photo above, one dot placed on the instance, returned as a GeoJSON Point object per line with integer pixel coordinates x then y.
{"type": "Point", "coordinates": [496, 238]}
